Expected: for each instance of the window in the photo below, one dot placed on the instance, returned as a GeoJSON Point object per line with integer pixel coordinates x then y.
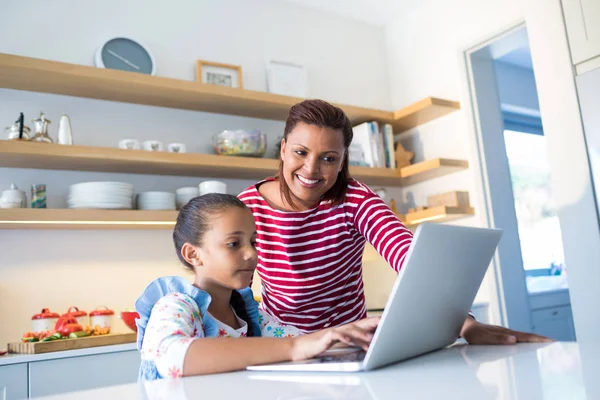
{"type": "Point", "coordinates": [538, 225]}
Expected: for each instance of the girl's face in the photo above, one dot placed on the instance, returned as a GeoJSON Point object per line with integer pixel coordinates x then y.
{"type": "Point", "coordinates": [228, 256]}
{"type": "Point", "coordinates": [312, 159]}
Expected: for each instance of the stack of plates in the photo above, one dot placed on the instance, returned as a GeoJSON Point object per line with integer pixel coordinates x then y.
{"type": "Point", "coordinates": [104, 195]}
{"type": "Point", "coordinates": [156, 201]}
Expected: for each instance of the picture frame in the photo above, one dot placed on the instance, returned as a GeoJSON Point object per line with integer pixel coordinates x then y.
{"type": "Point", "coordinates": [213, 73]}
{"type": "Point", "coordinates": [287, 79]}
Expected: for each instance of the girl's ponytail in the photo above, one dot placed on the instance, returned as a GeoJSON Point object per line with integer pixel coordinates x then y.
{"type": "Point", "coordinates": [239, 306]}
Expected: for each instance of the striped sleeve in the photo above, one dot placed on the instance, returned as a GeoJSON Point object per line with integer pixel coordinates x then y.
{"type": "Point", "coordinates": [382, 228]}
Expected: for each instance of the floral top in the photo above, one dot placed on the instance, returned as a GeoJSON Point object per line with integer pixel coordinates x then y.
{"type": "Point", "coordinates": [173, 314]}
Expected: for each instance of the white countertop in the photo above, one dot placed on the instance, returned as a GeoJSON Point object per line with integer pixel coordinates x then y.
{"type": "Point", "coordinates": [524, 371]}
{"type": "Point", "coordinates": [25, 358]}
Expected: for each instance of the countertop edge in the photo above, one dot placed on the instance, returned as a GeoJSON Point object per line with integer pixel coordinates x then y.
{"type": "Point", "coordinates": [27, 358]}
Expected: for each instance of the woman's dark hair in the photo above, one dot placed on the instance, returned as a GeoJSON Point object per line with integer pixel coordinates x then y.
{"type": "Point", "coordinates": [324, 115]}
{"type": "Point", "coordinates": [193, 221]}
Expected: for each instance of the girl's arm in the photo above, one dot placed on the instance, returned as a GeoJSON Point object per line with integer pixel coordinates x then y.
{"type": "Point", "coordinates": [212, 355]}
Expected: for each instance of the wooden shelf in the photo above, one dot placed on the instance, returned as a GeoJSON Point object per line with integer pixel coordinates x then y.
{"type": "Point", "coordinates": [431, 169]}
{"type": "Point", "coordinates": [421, 112]}
{"type": "Point", "coordinates": [38, 75]}
{"type": "Point", "coordinates": [49, 218]}
{"type": "Point", "coordinates": [437, 214]}
{"type": "Point", "coordinates": [23, 154]}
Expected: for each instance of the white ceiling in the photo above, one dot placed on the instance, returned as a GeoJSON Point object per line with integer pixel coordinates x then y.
{"type": "Point", "coordinates": [376, 12]}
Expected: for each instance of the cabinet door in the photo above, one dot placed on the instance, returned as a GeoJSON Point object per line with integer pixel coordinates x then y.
{"type": "Point", "coordinates": [13, 382]}
{"type": "Point", "coordinates": [556, 323]}
{"type": "Point", "coordinates": [80, 373]}
{"type": "Point", "coordinates": [582, 18]}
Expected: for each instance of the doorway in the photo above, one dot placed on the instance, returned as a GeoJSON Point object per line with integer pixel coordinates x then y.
{"type": "Point", "coordinates": [530, 267]}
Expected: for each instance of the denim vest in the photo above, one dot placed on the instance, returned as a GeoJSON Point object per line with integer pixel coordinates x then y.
{"type": "Point", "coordinates": [169, 284]}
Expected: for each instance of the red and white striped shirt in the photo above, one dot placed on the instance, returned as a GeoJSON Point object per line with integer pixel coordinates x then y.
{"type": "Point", "coordinates": [310, 262]}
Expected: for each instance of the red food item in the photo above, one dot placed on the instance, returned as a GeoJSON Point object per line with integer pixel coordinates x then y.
{"type": "Point", "coordinates": [3, 352]}
{"type": "Point", "coordinates": [64, 320]}
{"type": "Point", "coordinates": [67, 329]}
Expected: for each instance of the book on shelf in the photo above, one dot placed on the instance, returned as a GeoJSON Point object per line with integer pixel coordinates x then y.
{"type": "Point", "coordinates": [372, 146]}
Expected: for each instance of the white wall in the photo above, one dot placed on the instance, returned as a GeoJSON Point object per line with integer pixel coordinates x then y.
{"type": "Point", "coordinates": [425, 49]}
{"type": "Point", "coordinates": [57, 269]}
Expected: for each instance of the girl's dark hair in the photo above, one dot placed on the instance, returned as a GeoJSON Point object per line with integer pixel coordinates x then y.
{"type": "Point", "coordinates": [324, 115]}
{"type": "Point", "coordinates": [193, 221]}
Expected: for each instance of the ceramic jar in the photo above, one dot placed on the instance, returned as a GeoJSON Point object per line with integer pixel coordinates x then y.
{"type": "Point", "coordinates": [102, 316]}
{"type": "Point", "coordinates": [79, 315]}
{"type": "Point", "coordinates": [44, 321]}
{"type": "Point", "coordinates": [13, 198]}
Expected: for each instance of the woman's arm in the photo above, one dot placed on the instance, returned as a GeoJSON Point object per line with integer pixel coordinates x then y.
{"type": "Point", "coordinates": [382, 228]}
{"type": "Point", "coordinates": [213, 355]}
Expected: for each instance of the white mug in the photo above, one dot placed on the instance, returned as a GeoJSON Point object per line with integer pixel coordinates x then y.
{"type": "Point", "coordinates": [152, 145]}
{"type": "Point", "coordinates": [129, 144]}
{"type": "Point", "coordinates": [212, 187]}
{"type": "Point", "coordinates": [176, 148]}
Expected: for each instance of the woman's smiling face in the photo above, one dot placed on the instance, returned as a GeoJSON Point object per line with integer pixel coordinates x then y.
{"type": "Point", "coordinates": [312, 158]}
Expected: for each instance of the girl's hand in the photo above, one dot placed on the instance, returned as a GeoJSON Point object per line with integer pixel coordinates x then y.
{"type": "Point", "coordinates": [359, 334]}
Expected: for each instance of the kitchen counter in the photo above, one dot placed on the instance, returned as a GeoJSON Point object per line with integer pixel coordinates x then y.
{"type": "Point", "coordinates": [524, 371]}
{"type": "Point", "coordinates": [26, 358]}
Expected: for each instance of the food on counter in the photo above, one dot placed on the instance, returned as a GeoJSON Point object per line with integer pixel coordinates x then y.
{"type": "Point", "coordinates": [67, 325]}
{"type": "Point", "coordinates": [3, 352]}
{"type": "Point", "coordinates": [97, 330]}
{"type": "Point", "coordinates": [37, 336]}
{"type": "Point", "coordinates": [55, 336]}
{"type": "Point", "coordinates": [75, 335]}
{"type": "Point", "coordinates": [66, 330]}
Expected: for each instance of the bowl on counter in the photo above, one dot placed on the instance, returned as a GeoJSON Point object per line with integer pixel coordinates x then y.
{"type": "Point", "coordinates": [129, 317]}
{"type": "Point", "coordinates": [240, 143]}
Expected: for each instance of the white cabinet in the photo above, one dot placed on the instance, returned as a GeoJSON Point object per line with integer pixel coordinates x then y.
{"type": "Point", "coordinates": [582, 18]}
{"type": "Point", "coordinates": [81, 373]}
{"type": "Point", "coordinates": [13, 381]}
{"type": "Point", "coordinates": [555, 323]}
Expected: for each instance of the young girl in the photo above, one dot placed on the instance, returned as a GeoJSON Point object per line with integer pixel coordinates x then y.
{"type": "Point", "coordinates": [187, 329]}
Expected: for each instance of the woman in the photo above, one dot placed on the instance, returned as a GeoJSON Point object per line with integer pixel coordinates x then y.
{"type": "Point", "coordinates": [312, 222]}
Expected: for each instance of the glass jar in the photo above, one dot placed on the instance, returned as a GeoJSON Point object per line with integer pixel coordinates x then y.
{"type": "Point", "coordinates": [41, 130]}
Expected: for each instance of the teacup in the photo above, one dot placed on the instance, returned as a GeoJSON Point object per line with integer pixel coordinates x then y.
{"type": "Point", "coordinates": [152, 145]}
{"type": "Point", "coordinates": [129, 144]}
{"type": "Point", "coordinates": [176, 148]}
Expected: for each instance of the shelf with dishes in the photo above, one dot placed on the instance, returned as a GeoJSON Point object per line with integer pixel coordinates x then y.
{"type": "Point", "coordinates": [38, 75]}
{"type": "Point", "coordinates": [54, 218]}
{"type": "Point", "coordinates": [24, 154]}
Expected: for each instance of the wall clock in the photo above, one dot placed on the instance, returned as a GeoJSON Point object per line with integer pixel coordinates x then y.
{"type": "Point", "coordinates": [126, 55]}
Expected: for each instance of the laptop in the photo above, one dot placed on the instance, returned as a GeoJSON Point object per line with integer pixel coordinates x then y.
{"type": "Point", "coordinates": [428, 304]}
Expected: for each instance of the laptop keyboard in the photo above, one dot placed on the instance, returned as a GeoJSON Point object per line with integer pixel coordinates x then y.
{"type": "Point", "coordinates": [355, 356]}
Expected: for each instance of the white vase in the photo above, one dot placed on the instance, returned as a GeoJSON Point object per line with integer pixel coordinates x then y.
{"type": "Point", "coordinates": [65, 135]}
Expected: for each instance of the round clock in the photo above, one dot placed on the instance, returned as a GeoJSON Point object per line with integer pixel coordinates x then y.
{"type": "Point", "coordinates": [126, 55]}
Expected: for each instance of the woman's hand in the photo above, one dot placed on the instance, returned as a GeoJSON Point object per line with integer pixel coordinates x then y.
{"type": "Point", "coordinates": [477, 333]}
{"type": "Point", "coordinates": [359, 334]}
